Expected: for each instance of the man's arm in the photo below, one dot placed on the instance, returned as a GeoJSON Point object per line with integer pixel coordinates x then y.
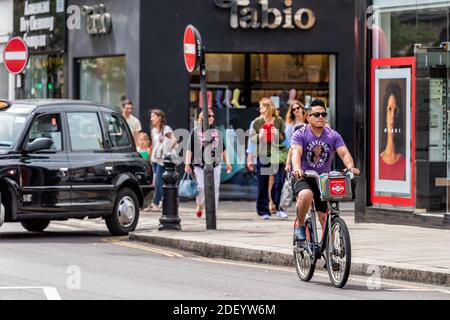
{"type": "Point", "coordinates": [347, 159]}
{"type": "Point", "coordinates": [297, 152]}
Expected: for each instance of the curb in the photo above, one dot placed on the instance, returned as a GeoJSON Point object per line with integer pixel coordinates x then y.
{"type": "Point", "coordinates": [208, 250]}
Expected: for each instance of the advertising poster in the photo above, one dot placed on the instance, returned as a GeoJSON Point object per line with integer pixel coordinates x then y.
{"type": "Point", "coordinates": [393, 131]}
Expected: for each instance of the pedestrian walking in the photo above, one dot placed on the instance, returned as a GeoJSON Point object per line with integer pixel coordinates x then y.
{"type": "Point", "coordinates": [195, 158]}
{"type": "Point", "coordinates": [163, 141]}
{"type": "Point", "coordinates": [133, 122]}
{"type": "Point", "coordinates": [266, 132]}
{"type": "Point", "coordinates": [295, 119]}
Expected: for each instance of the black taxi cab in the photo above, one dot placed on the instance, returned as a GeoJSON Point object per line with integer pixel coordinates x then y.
{"type": "Point", "coordinates": [64, 159]}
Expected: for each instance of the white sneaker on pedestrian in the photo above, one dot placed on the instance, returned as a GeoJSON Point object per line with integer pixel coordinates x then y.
{"type": "Point", "coordinates": [265, 217]}
{"type": "Point", "coordinates": [281, 214]}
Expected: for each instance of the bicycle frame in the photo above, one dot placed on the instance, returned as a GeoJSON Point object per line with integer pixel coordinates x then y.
{"type": "Point", "coordinates": [326, 242]}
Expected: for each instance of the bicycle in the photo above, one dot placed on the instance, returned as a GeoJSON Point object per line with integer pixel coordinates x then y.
{"type": "Point", "coordinates": [335, 249]}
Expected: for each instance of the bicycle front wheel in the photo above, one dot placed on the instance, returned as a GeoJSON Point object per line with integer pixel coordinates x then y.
{"type": "Point", "coordinates": [305, 264]}
{"type": "Point", "coordinates": [339, 256]}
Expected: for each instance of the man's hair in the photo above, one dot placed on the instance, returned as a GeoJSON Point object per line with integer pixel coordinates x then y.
{"type": "Point", "coordinates": [317, 103]}
{"type": "Point", "coordinates": [125, 102]}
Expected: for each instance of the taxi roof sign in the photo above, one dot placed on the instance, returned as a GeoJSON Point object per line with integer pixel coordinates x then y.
{"type": "Point", "coordinates": [4, 105]}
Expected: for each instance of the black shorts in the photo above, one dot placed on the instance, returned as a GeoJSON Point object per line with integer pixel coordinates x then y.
{"type": "Point", "coordinates": [310, 184]}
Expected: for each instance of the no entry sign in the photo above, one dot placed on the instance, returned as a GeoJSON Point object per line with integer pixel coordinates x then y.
{"type": "Point", "coordinates": [15, 55]}
{"type": "Point", "coordinates": [193, 48]}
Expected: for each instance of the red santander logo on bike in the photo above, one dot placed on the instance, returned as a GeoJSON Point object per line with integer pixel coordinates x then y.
{"type": "Point", "coordinates": [338, 187]}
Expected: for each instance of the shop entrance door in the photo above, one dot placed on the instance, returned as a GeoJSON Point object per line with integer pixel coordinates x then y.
{"type": "Point", "coordinates": [433, 128]}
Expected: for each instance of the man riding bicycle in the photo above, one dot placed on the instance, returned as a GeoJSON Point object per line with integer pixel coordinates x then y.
{"type": "Point", "coordinates": [314, 147]}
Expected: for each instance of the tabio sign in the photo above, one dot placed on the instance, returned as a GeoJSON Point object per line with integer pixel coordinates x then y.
{"type": "Point", "coordinates": [193, 48]}
{"type": "Point", "coordinates": [15, 55]}
{"type": "Point", "coordinates": [248, 14]}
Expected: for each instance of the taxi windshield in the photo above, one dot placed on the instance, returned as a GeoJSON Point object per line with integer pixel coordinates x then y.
{"type": "Point", "coordinates": [11, 125]}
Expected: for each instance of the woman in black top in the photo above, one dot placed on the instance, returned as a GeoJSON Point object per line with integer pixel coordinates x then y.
{"type": "Point", "coordinates": [195, 157]}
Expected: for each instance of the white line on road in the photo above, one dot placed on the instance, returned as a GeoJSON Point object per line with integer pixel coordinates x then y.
{"type": "Point", "coordinates": [421, 290]}
{"type": "Point", "coordinates": [50, 292]}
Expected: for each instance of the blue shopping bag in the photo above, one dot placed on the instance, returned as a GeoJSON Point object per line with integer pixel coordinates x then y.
{"type": "Point", "coordinates": [188, 187]}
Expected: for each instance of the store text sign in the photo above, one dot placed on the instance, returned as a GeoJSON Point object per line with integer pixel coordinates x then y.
{"type": "Point", "coordinates": [41, 24]}
{"type": "Point", "coordinates": [245, 16]}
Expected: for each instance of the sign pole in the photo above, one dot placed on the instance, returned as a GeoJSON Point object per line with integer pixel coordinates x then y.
{"type": "Point", "coordinates": [210, 202]}
{"type": "Point", "coordinates": [194, 57]}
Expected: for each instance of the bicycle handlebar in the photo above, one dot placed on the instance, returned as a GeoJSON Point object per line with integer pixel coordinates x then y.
{"type": "Point", "coordinates": [314, 175]}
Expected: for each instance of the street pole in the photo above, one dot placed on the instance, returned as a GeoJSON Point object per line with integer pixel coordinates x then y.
{"type": "Point", "coordinates": [210, 203]}
{"type": "Point", "coordinates": [194, 57]}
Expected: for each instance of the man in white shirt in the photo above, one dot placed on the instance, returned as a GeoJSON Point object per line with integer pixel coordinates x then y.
{"type": "Point", "coordinates": [133, 122]}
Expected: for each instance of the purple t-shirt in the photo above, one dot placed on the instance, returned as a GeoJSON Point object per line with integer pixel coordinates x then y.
{"type": "Point", "coordinates": [318, 152]}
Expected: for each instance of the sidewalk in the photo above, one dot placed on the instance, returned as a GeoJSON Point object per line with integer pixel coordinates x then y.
{"type": "Point", "coordinates": [402, 253]}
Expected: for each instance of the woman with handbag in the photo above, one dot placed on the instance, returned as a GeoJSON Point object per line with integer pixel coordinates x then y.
{"type": "Point", "coordinates": [268, 133]}
{"type": "Point", "coordinates": [163, 142]}
{"type": "Point", "coordinates": [195, 156]}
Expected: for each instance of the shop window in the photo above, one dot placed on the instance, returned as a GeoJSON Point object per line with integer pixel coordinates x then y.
{"type": "Point", "coordinates": [3, 76]}
{"type": "Point", "coordinates": [102, 80]}
{"type": "Point", "coordinates": [396, 34]}
{"type": "Point", "coordinates": [236, 84]}
{"type": "Point", "coordinates": [44, 77]}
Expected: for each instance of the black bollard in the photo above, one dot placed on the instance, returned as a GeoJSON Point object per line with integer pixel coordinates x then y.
{"type": "Point", "coordinates": [170, 219]}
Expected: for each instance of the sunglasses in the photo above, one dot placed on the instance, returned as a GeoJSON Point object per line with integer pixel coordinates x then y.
{"type": "Point", "coordinates": [319, 114]}
{"type": "Point", "coordinates": [296, 109]}
{"type": "Point", "coordinates": [211, 116]}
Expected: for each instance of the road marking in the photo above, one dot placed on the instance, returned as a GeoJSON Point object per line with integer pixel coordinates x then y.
{"type": "Point", "coordinates": [50, 292]}
{"type": "Point", "coordinates": [166, 253]}
{"type": "Point", "coordinates": [243, 264]}
{"type": "Point", "coordinates": [420, 290]}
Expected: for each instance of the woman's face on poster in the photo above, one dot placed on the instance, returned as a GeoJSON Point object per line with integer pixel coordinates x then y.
{"type": "Point", "coordinates": [392, 113]}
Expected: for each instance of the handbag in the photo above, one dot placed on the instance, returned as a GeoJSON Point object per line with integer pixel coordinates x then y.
{"type": "Point", "coordinates": [279, 154]}
{"type": "Point", "coordinates": [287, 194]}
{"type": "Point", "coordinates": [188, 187]}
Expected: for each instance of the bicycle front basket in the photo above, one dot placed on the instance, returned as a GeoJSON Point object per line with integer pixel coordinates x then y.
{"type": "Point", "coordinates": [335, 186]}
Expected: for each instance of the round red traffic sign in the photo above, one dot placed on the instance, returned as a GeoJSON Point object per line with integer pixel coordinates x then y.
{"type": "Point", "coordinates": [15, 55]}
{"type": "Point", "coordinates": [192, 48]}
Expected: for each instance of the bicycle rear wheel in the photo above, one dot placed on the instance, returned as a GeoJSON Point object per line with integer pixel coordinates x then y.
{"type": "Point", "coordinates": [340, 259]}
{"type": "Point", "coordinates": [305, 264]}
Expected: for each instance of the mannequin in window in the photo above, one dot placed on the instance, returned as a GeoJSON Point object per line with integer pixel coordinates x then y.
{"type": "Point", "coordinates": [292, 96]}
{"type": "Point", "coordinates": [284, 97]}
{"type": "Point", "coordinates": [236, 95]}
{"type": "Point", "coordinates": [219, 98]}
{"type": "Point", "coordinates": [227, 99]}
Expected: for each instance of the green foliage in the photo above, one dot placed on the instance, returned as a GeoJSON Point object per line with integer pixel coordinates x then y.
{"type": "Point", "coordinates": [405, 35]}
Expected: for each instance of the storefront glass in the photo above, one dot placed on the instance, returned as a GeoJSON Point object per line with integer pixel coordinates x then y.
{"type": "Point", "coordinates": [416, 29]}
{"type": "Point", "coordinates": [236, 84]}
{"type": "Point", "coordinates": [3, 76]}
{"type": "Point", "coordinates": [102, 80]}
{"type": "Point", "coordinates": [43, 77]}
